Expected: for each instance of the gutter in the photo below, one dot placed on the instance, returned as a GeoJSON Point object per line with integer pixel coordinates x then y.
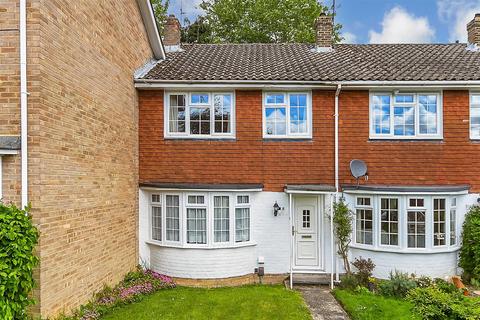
{"type": "Point", "coordinates": [23, 102]}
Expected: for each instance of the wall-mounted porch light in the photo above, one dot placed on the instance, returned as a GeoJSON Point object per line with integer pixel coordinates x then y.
{"type": "Point", "coordinates": [276, 209]}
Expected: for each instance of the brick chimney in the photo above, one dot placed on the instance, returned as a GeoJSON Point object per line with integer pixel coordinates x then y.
{"type": "Point", "coordinates": [473, 29]}
{"type": "Point", "coordinates": [324, 33]}
{"type": "Point", "coordinates": [172, 34]}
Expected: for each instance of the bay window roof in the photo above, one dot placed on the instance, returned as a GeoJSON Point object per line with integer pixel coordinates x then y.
{"type": "Point", "coordinates": [463, 188]}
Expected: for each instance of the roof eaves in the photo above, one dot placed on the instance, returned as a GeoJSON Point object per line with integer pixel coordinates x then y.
{"type": "Point", "coordinates": [151, 27]}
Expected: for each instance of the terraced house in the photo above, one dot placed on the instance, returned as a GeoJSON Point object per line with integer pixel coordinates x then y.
{"type": "Point", "coordinates": [243, 148]}
{"type": "Point", "coordinates": [218, 164]}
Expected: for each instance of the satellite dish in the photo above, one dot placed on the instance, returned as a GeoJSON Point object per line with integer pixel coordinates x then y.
{"type": "Point", "coordinates": [359, 169]}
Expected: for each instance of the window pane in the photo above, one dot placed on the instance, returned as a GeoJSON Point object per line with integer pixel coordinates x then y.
{"type": "Point", "coordinates": [364, 224]}
{"type": "Point", "coordinates": [404, 98]}
{"type": "Point", "coordinates": [199, 98]}
{"type": "Point", "coordinates": [223, 112]}
{"type": "Point", "coordinates": [298, 112]}
{"type": "Point", "coordinates": [243, 199]}
{"type": "Point", "coordinates": [389, 222]}
{"type": "Point", "coordinates": [416, 229]}
{"type": "Point", "coordinates": [242, 224]}
{"type": "Point", "coordinates": [278, 98]}
{"type": "Point", "coordinates": [276, 121]}
{"type": "Point", "coordinates": [172, 216]}
{"type": "Point", "coordinates": [176, 121]}
{"type": "Point", "coordinates": [475, 116]}
{"type": "Point", "coordinates": [428, 114]}
{"type": "Point", "coordinates": [197, 225]}
{"type": "Point", "coordinates": [453, 227]}
{"type": "Point", "coordinates": [200, 120]}
{"type": "Point", "coordinates": [381, 114]}
{"type": "Point", "coordinates": [157, 223]}
{"type": "Point", "coordinates": [221, 218]}
{"type": "Point", "coordinates": [439, 222]}
{"type": "Point", "coordinates": [404, 121]}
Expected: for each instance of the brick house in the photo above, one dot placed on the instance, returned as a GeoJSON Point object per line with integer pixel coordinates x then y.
{"type": "Point", "coordinates": [76, 131]}
{"type": "Point", "coordinates": [243, 148]}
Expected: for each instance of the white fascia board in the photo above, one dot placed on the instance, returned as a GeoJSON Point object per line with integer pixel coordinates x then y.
{"type": "Point", "coordinates": [151, 27]}
{"type": "Point", "coordinates": [416, 193]}
{"type": "Point", "coordinates": [309, 192]}
{"type": "Point", "coordinates": [4, 152]}
{"type": "Point", "coordinates": [173, 84]}
{"type": "Point", "coordinates": [200, 190]}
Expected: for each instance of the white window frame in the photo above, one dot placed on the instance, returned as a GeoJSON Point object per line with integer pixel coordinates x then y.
{"type": "Point", "coordinates": [416, 209]}
{"type": "Point", "coordinates": [242, 206]}
{"type": "Point", "coordinates": [447, 222]}
{"type": "Point", "coordinates": [209, 206]}
{"type": "Point", "coordinates": [364, 207]}
{"type": "Point", "coordinates": [164, 208]}
{"type": "Point", "coordinates": [417, 135]}
{"type": "Point", "coordinates": [288, 134]}
{"type": "Point", "coordinates": [471, 106]}
{"type": "Point", "coordinates": [399, 221]}
{"type": "Point", "coordinates": [453, 207]}
{"type": "Point", "coordinates": [155, 204]}
{"type": "Point", "coordinates": [229, 218]}
{"type": "Point", "coordinates": [188, 105]}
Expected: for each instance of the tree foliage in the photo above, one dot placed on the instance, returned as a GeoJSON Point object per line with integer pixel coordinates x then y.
{"type": "Point", "coordinates": [197, 32]}
{"type": "Point", "coordinates": [160, 9]}
{"type": "Point", "coordinates": [261, 21]}
{"type": "Point", "coordinates": [470, 251]}
{"type": "Point", "coordinates": [342, 224]}
{"type": "Point", "coordinates": [18, 238]}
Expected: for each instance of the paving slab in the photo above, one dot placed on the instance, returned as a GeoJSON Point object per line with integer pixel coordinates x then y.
{"type": "Point", "coordinates": [321, 302]}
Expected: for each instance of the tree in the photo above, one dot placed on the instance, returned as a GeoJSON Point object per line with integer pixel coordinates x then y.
{"type": "Point", "coordinates": [197, 32]}
{"type": "Point", "coordinates": [160, 8]}
{"type": "Point", "coordinates": [263, 21]}
{"type": "Point", "coordinates": [342, 225]}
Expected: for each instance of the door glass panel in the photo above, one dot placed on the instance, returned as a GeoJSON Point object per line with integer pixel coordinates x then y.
{"type": "Point", "coordinates": [306, 218]}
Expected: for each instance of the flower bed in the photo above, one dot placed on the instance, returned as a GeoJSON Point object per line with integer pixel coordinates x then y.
{"type": "Point", "coordinates": [132, 288]}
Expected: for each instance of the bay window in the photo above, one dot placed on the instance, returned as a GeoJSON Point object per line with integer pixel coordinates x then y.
{"type": "Point", "coordinates": [207, 219]}
{"type": "Point", "coordinates": [199, 115]}
{"type": "Point", "coordinates": [403, 222]}
{"type": "Point", "coordinates": [405, 116]}
{"type": "Point", "coordinates": [475, 116]}
{"type": "Point", "coordinates": [287, 115]}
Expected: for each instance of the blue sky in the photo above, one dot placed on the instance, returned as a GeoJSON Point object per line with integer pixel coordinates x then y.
{"type": "Point", "coordinates": [382, 21]}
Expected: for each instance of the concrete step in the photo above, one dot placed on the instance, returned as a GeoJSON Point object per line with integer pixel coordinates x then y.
{"type": "Point", "coordinates": [311, 278]}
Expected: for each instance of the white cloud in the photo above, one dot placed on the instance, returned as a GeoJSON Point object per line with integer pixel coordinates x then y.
{"type": "Point", "coordinates": [457, 14]}
{"type": "Point", "coordinates": [191, 8]}
{"type": "Point", "coordinates": [399, 26]}
{"type": "Point", "coordinates": [349, 37]}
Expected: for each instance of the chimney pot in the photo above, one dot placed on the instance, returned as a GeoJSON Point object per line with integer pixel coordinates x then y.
{"type": "Point", "coordinates": [473, 29]}
{"type": "Point", "coordinates": [172, 34]}
{"type": "Point", "coordinates": [324, 33]}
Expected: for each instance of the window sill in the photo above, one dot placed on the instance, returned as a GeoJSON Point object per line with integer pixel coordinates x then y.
{"type": "Point", "coordinates": [201, 138]}
{"type": "Point", "coordinates": [392, 139]}
{"type": "Point", "coordinates": [201, 247]}
{"type": "Point", "coordinates": [287, 139]}
{"type": "Point", "coordinates": [405, 250]}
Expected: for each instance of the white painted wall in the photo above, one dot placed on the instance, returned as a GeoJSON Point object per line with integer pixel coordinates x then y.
{"type": "Point", "coordinates": [271, 240]}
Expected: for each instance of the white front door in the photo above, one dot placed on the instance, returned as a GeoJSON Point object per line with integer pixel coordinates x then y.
{"type": "Point", "coordinates": [306, 232]}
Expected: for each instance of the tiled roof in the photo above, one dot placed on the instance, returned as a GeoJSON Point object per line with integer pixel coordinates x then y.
{"type": "Point", "coordinates": [298, 62]}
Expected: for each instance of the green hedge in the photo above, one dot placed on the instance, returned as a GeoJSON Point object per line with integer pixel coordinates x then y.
{"type": "Point", "coordinates": [18, 238]}
{"type": "Point", "coordinates": [470, 251]}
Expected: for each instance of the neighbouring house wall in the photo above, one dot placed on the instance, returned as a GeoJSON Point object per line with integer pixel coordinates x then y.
{"type": "Point", "coordinates": [247, 159]}
{"type": "Point", "coordinates": [453, 160]}
{"type": "Point", "coordinates": [83, 147]}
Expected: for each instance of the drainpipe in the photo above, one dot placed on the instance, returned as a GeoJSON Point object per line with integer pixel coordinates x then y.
{"type": "Point", "coordinates": [23, 101]}
{"type": "Point", "coordinates": [334, 265]}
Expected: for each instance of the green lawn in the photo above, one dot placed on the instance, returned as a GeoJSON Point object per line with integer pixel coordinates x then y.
{"type": "Point", "coordinates": [364, 306]}
{"type": "Point", "coordinates": [248, 302]}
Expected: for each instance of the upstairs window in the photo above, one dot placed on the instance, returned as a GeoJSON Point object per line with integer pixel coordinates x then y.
{"type": "Point", "coordinates": [199, 115]}
{"type": "Point", "coordinates": [475, 116]}
{"type": "Point", "coordinates": [287, 115]}
{"type": "Point", "coordinates": [405, 116]}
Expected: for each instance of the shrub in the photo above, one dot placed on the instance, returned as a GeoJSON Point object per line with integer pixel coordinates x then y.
{"type": "Point", "coordinates": [398, 285]}
{"type": "Point", "coordinates": [342, 221]}
{"type": "Point", "coordinates": [445, 286]}
{"type": "Point", "coordinates": [423, 282]}
{"type": "Point", "coordinates": [349, 282]}
{"type": "Point", "coordinates": [132, 288]}
{"type": "Point", "coordinates": [364, 270]}
{"type": "Point", "coordinates": [18, 238]}
{"type": "Point", "coordinates": [470, 250]}
{"type": "Point", "coordinates": [434, 304]}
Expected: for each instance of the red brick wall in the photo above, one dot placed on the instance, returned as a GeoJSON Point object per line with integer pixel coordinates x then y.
{"type": "Point", "coordinates": [249, 159]}
{"type": "Point", "coordinates": [453, 160]}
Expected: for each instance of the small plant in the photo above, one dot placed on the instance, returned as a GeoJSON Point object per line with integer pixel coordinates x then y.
{"type": "Point", "coordinates": [342, 221]}
{"type": "Point", "coordinates": [364, 270]}
{"type": "Point", "coordinates": [349, 282]}
{"type": "Point", "coordinates": [423, 281]}
{"type": "Point", "coordinates": [18, 238]}
{"type": "Point", "coordinates": [445, 286]}
{"type": "Point", "coordinates": [432, 303]}
{"type": "Point", "coordinates": [398, 285]}
{"type": "Point", "coordinates": [470, 250]}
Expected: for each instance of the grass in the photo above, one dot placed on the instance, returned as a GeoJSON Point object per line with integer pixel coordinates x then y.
{"type": "Point", "coordinates": [247, 302]}
{"type": "Point", "coordinates": [368, 306]}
